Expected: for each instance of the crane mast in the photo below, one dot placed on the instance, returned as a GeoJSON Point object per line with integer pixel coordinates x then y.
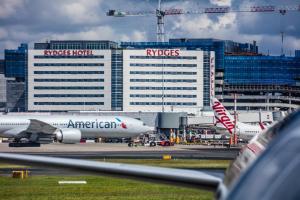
{"type": "Point", "coordinates": [160, 33]}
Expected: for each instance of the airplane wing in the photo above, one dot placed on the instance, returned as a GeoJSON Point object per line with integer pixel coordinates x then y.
{"type": "Point", "coordinates": [188, 178]}
{"type": "Point", "coordinates": [37, 126]}
{"type": "Point", "coordinates": [36, 131]}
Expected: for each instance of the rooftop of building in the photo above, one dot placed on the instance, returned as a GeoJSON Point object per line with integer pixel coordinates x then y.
{"type": "Point", "coordinates": [207, 44]}
{"type": "Point", "coordinates": [21, 49]}
{"type": "Point", "coordinates": [76, 44]}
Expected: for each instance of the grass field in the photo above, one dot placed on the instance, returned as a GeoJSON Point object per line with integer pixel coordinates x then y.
{"type": "Point", "coordinates": [176, 163]}
{"type": "Point", "coordinates": [47, 188]}
{"type": "Point", "coordinates": [98, 187]}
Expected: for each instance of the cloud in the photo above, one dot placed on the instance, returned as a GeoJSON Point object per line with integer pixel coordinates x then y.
{"type": "Point", "coordinates": [99, 33]}
{"type": "Point", "coordinates": [203, 26]}
{"type": "Point", "coordinates": [221, 2]}
{"type": "Point", "coordinates": [35, 21]}
{"type": "Point", "coordinates": [81, 11]}
{"type": "Point", "coordinates": [3, 34]}
{"type": "Point", "coordinates": [10, 7]}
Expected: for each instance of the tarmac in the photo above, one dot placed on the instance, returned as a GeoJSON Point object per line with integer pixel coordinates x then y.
{"type": "Point", "coordinates": [121, 150]}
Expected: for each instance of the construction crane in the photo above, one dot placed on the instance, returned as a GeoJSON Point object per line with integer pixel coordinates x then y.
{"type": "Point", "coordinates": [160, 13]}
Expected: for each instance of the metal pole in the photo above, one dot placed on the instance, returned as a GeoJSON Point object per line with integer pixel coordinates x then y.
{"type": "Point", "coordinates": [162, 87]}
{"type": "Point", "coordinates": [160, 24]}
{"type": "Point", "coordinates": [235, 119]}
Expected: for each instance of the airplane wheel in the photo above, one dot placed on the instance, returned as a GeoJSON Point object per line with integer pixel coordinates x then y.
{"type": "Point", "coordinates": [152, 144]}
{"type": "Point", "coordinates": [130, 144]}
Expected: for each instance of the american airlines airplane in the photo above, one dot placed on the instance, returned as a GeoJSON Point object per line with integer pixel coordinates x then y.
{"type": "Point", "coordinates": [68, 128]}
{"type": "Point", "coordinates": [225, 120]}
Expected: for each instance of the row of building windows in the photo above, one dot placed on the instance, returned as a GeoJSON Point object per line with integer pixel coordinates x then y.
{"type": "Point", "coordinates": [68, 72]}
{"type": "Point", "coordinates": [165, 103]}
{"type": "Point", "coordinates": [165, 88]}
{"type": "Point", "coordinates": [67, 64]}
{"type": "Point", "coordinates": [67, 80]}
{"type": "Point", "coordinates": [165, 80]}
{"type": "Point", "coordinates": [165, 57]}
{"type": "Point", "coordinates": [67, 95]}
{"type": "Point", "coordinates": [79, 46]}
{"type": "Point", "coordinates": [165, 72]}
{"type": "Point", "coordinates": [69, 103]}
{"type": "Point", "coordinates": [68, 57]}
{"type": "Point", "coordinates": [161, 65]}
{"type": "Point", "coordinates": [67, 88]}
{"type": "Point", "coordinates": [160, 96]}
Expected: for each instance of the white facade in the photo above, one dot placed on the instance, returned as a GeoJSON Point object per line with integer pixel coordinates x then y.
{"type": "Point", "coordinates": [143, 73]}
{"type": "Point", "coordinates": [60, 80]}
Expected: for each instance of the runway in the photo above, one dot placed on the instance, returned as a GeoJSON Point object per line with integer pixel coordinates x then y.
{"type": "Point", "coordinates": [118, 151]}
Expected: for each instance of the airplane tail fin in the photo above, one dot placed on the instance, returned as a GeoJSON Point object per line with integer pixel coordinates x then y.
{"type": "Point", "coordinates": [223, 118]}
{"type": "Point", "coordinates": [262, 126]}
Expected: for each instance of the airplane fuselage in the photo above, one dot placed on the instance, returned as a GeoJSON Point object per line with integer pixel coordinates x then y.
{"type": "Point", "coordinates": [90, 126]}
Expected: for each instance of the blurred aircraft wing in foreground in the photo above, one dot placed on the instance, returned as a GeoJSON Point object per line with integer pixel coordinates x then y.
{"type": "Point", "coordinates": [172, 176]}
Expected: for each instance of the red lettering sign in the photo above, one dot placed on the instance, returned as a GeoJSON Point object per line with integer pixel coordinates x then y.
{"type": "Point", "coordinates": [67, 52]}
{"type": "Point", "coordinates": [212, 77]}
{"type": "Point", "coordinates": [163, 52]}
{"type": "Point", "coordinates": [222, 117]}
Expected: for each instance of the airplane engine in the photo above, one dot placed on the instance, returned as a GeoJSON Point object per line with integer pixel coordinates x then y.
{"type": "Point", "coordinates": [68, 136]}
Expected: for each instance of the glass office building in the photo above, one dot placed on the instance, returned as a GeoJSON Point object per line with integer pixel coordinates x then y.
{"type": "Point", "coordinates": [261, 82]}
{"type": "Point", "coordinates": [14, 71]}
{"type": "Point", "coordinates": [261, 70]}
{"type": "Point", "coordinates": [117, 80]}
{"type": "Point", "coordinates": [16, 62]}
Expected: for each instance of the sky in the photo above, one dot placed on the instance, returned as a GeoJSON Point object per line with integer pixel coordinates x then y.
{"type": "Point", "coordinates": [30, 21]}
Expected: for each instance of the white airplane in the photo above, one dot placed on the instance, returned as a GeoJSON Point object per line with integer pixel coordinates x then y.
{"type": "Point", "coordinates": [225, 120]}
{"type": "Point", "coordinates": [68, 128]}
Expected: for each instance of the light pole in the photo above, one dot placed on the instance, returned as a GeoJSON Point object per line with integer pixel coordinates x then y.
{"type": "Point", "coordinates": [162, 86]}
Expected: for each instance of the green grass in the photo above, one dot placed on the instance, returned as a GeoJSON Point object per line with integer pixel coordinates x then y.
{"type": "Point", "coordinates": [4, 165]}
{"type": "Point", "coordinates": [175, 163]}
{"type": "Point", "coordinates": [97, 187]}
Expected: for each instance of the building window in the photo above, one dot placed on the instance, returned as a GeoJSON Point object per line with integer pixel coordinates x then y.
{"type": "Point", "coordinates": [67, 88]}
{"type": "Point", "coordinates": [68, 64]}
{"type": "Point", "coordinates": [165, 88]}
{"type": "Point", "coordinates": [68, 72]}
{"type": "Point", "coordinates": [68, 103]}
{"type": "Point", "coordinates": [165, 80]}
{"type": "Point", "coordinates": [68, 80]}
{"type": "Point", "coordinates": [67, 95]}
